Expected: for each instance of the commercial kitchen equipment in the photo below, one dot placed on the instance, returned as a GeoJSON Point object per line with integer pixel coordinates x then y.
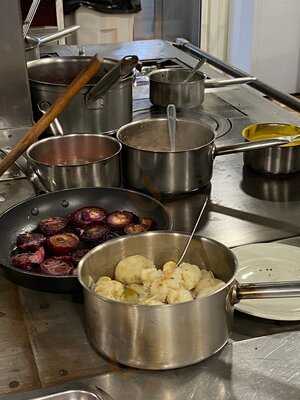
{"type": "Point", "coordinates": [241, 211]}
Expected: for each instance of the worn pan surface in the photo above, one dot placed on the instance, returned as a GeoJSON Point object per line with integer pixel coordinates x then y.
{"type": "Point", "coordinates": [25, 216]}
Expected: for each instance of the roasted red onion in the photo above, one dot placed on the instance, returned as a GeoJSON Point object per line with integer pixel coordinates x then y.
{"type": "Point", "coordinates": [63, 243]}
{"type": "Point", "coordinates": [117, 220]}
{"type": "Point", "coordinates": [133, 229]}
{"type": "Point", "coordinates": [53, 225]}
{"type": "Point", "coordinates": [147, 222]}
{"type": "Point", "coordinates": [96, 234]}
{"type": "Point", "coordinates": [30, 241]}
{"type": "Point", "coordinates": [78, 254]}
{"type": "Point", "coordinates": [27, 261]}
{"type": "Point", "coordinates": [55, 266]}
{"type": "Point", "coordinates": [88, 215]}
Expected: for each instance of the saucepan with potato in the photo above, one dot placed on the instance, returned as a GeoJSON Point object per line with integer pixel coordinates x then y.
{"type": "Point", "coordinates": [145, 311]}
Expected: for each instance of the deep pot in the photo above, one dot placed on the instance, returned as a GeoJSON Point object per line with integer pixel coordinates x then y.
{"type": "Point", "coordinates": [149, 168]}
{"type": "Point", "coordinates": [78, 160]}
{"type": "Point", "coordinates": [166, 336]}
{"type": "Point", "coordinates": [48, 79]}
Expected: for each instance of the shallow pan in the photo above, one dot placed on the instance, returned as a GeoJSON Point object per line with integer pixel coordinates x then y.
{"type": "Point", "coordinates": [25, 217]}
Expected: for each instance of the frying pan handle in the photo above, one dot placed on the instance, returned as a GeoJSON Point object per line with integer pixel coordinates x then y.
{"type": "Point", "coordinates": [55, 126]}
{"type": "Point", "coordinates": [216, 83]}
{"type": "Point", "coordinates": [266, 290]}
{"type": "Point", "coordinates": [248, 146]}
{"type": "Point", "coordinates": [23, 166]}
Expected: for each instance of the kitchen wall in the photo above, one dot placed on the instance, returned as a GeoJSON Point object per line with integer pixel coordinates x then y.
{"type": "Point", "coordinates": [264, 40]}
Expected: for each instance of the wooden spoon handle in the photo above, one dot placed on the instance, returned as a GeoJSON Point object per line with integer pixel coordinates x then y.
{"type": "Point", "coordinates": [58, 106]}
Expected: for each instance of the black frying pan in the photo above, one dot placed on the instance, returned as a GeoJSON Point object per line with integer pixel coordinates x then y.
{"type": "Point", "coordinates": [25, 216]}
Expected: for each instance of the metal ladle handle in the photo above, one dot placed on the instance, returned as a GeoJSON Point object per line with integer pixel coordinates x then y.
{"type": "Point", "coordinates": [193, 233]}
{"type": "Point", "coordinates": [55, 126]}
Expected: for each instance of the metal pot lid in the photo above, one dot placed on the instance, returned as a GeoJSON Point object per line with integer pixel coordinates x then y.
{"type": "Point", "coordinates": [60, 71]}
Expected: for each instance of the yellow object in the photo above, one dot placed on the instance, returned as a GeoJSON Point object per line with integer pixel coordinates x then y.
{"type": "Point", "coordinates": [267, 131]}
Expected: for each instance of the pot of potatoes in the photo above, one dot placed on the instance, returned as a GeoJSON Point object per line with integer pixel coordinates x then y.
{"type": "Point", "coordinates": [144, 311]}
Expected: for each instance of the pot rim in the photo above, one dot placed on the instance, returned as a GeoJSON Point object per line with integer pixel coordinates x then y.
{"type": "Point", "coordinates": [147, 306]}
{"type": "Point", "coordinates": [36, 144]}
{"type": "Point", "coordinates": [68, 58]}
{"type": "Point", "coordinates": [201, 76]}
{"type": "Point", "coordinates": [244, 133]}
{"type": "Point", "coordinates": [149, 120]}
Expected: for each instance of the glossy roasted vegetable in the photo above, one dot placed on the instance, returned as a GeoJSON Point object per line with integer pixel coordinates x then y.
{"type": "Point", "coordinates": [118, 220]}
{"type": "Point", "coordinates": [88, 215]}
{"type": "Point", "coordinates": [63, 243]}
{"type": "Point", "coordinates": [95, 234]}
{"type": "Point", "coordinates": [53, 225]}
{"type": "Point", "coordinates": [55, 266]}
{"type": "Point", "coordinates": [27, 261]}
{"type": "Point", "coordinates": [30, 241]}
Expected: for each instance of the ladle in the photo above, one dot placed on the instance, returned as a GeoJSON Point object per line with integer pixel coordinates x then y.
{"type": "Point", "coordinates": [192, 234]}
{"type": "Point", "coordinates": [171, 114]}
{"type": "Point", "coordinates": [194, 70]}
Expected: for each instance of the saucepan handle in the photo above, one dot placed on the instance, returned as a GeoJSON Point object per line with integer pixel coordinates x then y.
{"type": "Point", "coordinates": [123, 68]}
{"type": "Point", "coordinates": [24, 167]}
{"type": "Point", "coordinates": [55, 126]}
{"type": "Point", "coordinates": [216, 83]}
{"type": "Point", "coordinates": [267, 290]}
{"type": "Point", "coordinates": [248, 146]}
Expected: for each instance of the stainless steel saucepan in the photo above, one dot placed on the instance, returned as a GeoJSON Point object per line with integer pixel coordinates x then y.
{"type": "Point", "coordinates": [278, 160]}
{"type": "Point", "coordinates": [150, 165]}
{"type": "Point", "coordinates": [168, 86]}
{"type": "Point", "coordinates": [72, 161]}
{"type": "Point", "coordinates": [166, 336]}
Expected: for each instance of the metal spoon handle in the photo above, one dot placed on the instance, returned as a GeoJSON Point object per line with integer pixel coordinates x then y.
{"type": "Point", "coordinates": [193, 233]}
{"type": "Point", "coordinates": [194, 70]}
{"type": "Point", "coordinates": [171, 114]}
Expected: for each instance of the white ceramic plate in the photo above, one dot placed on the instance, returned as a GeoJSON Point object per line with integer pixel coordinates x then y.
{"type": "Point", "coordinates": [269, 262]}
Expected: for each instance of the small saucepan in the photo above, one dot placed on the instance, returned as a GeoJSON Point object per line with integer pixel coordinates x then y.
{"type": "Point", "coordinates": [284, 159]}
{"type": "Point", "coordinates": [167, 86]}
{"type": "Point", "coordinates": [77, 160]}
{"type": "Point", "coordinates": [168, 335]}
{"type": "Point", "coordinates": [151, 166]}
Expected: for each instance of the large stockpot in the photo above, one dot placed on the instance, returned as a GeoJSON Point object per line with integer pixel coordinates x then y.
{"type": "Point", "coordinates": [166, 336]}
{"type": "Point", "coordinates": [149, 168]}
{"type": "Point", "coordinates": [77, 160]}
{"type": "Point", "coordinates": [278, 160]}
{"type": "Point", "coordinates": [167, 86]}
{"type": "Point", "coordinates": [48, 79]}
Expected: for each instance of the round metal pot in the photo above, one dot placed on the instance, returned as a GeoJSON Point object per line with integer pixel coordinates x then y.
{"type": "Point", "coordinates": [278, 160]}
{"type": "Point", "coordinates": [167, 86]}
{"type": "Point", "coordinates": [78, 160]}
{"type": "Point", "coordinates": [166, 336]}
{"type": "Point", "coordinates": [48, 79]}
{"type": "Point", "coordinates": [150, 166]}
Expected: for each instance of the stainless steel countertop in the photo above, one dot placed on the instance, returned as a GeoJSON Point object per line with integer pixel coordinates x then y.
{"type": "Point", "coordinates": [262, 361]}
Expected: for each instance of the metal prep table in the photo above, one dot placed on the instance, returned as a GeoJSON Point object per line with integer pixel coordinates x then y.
{"type": "Point", "coordinates": [42, 337]}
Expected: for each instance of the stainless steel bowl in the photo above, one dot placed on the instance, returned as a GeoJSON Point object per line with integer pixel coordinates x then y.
{"type": "Point", "coordinates": [78, 160]}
